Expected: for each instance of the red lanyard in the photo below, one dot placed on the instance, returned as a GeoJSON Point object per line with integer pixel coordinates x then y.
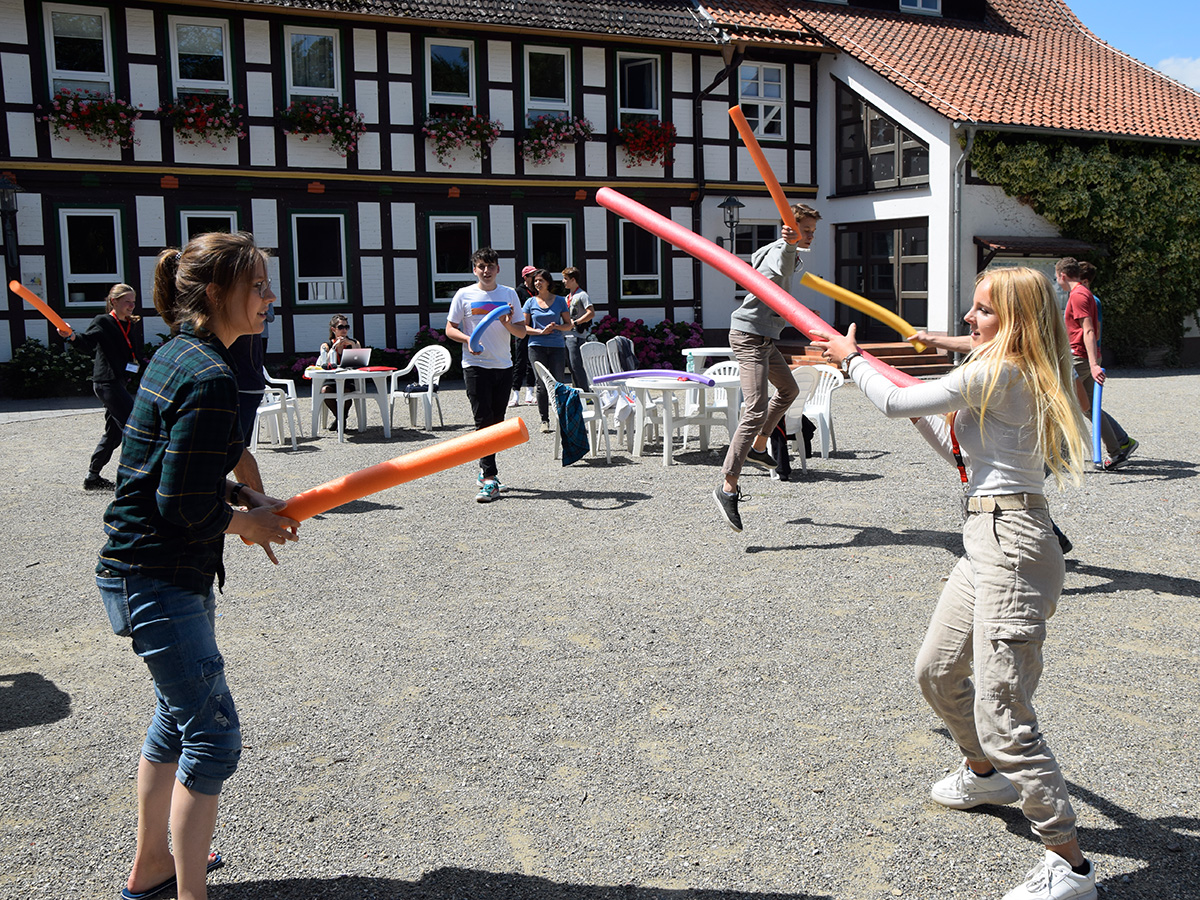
{"type": "Point", "coordinates": [956, 450]}
{"type": "Point", "coordinates": [125, 329]}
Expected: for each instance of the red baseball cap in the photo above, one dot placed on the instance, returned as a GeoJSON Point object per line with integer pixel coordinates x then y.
{"type": "Point", "coordinates": [528, 270]}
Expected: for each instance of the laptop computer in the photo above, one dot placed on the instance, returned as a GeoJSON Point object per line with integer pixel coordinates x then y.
{"type": "Point", "coordinates": [356, 359]}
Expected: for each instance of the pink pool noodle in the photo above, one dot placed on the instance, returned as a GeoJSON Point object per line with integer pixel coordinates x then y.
{"type": "Point", "coordinates": [791, 309]}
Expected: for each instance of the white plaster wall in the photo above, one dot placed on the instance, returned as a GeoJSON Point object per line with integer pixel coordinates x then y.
{"type": "Point", "coordinates": [29, 222]}
{"type": "Point", "coordinates": [370, 235]}
{"type": "Point", "coordinates": [683, 287]}
{"type": "Point", "coordinates": [595, 234]}
{"type": "Point", "coordinates": [79, 147]}
{"type": "Point", "coordinates": [595, 159]}
{"type": "Point", "coordinates": [594, 74]}
{"type": "Point", "coordinates": [366, 57]}
{"type": "Point", "coordinates": [399, 46]}
{"type": "Point", "coordinates": [716, 162]}
{"type": "Point", "coordinates": [681, 117]}
{"type": "Point", "coordinates": [315, 153]}
{"type": "Point", "coordinates": [366, 100]}
{"type": "Point", "coordinates": [563, 168]}
{"type": "Point", "coordinates": [264, 221]}
{"type": "Point", "coordinates": [224, 153]}
{"type": "Point", "coordinates": [503, 232]}
{"type": "Point", "coordinates": [500, 102]}
{"type": "Point", "coordinates": [259, 101]}
{"type": "Point", "coordinates": [22, 134]}
{"type": "Point", "coordinates": [310, 331]}
{"type": "Point", "coordinates": [372, 282]}
{"type": "Point", "coordinates": [685, 162]}
{"type": "Point", "coordinates": [400, 104]}
{"type": "Point", "coordinates": [12, 21]}
{"type": "Point", "coordinates": [139, 31]}
{"type": "Point", "coordinates": [258, 41]}
{"type": "Point", "coordinates": [18, 85]}
{"type": "Point", "coordinates": [403, 153]}
{"type": "Point", "coordinates": [717, 124]}
{"type": "Point", "coordinates": [407, 326]}
{"type": "Point", "coordinates": [6, 333]}
{"type": "Point", "coordinates": [595, 110]}
{"type": "Point", "coordinates": [463, 162]}
{"type": "Point", "coordinates": [149, 147]}
{"type": "Point", "coordinates": [404, 273]}
{"type": "Point", "coordinates": [262, 145]}
{"type": "Point", "coordinates": [374, 330]}
{"type": "Point", "coordinates": [143, 86]}
{"type": "Point", "coordinates": [369, 156]}
{"type": "Point", "coordinates": [499, 62]}
{"type": "Point", "coordinates": [151, 221]}
{"type": "Point", "coordinates": [404, 228]}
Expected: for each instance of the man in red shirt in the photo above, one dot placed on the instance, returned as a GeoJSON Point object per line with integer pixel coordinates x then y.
{"type": "Point", "coordinates": [1083, 329]}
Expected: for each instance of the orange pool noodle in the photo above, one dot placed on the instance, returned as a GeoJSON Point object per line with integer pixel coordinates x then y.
{"type": "Point", "coordinates": [764, 170]}
{"type": "Point", "coordinates": [795, 312]}
{"type": "Point", "coordinates": [862, 304]}
{"type": "Point", "coordinates": [39, 304]}
{"type": "Point", "coordinates": [409, 467]}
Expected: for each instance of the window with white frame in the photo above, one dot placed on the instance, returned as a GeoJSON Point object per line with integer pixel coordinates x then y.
{"type": "Point", "coordinates": [319, 247]}
{"type": "Point", "coordinates": [638, 88]}
{"type": "Point", "coordinates": [452, 240]}
{"type": "Point", "coordinates": [748, 237]}
{"type": "Point", "coordinates": [761, 97]}
{"type": "Point", "coordinates": [92, 253]}
{"type": "Point", "coordinates": [200, 56]}
{"type": "Point", "coordinates": [641, 277]}
{"type": "Point", "coordinates": [313, 63]}
{"type": "Point", "coordinates": [79, 49]}
{"type": "Point", "coordinates": [549, 242]}
{"type": "Point", "coordinates": [203, 221]}
{"type": "Point", "coordinates": [933, 7]}
{"type": "Point", "coordinates": [873, 152]}
{"type": "Point", "coordinates": [547, 82]}
{"type": "Point", "coordinates": [449, 75]}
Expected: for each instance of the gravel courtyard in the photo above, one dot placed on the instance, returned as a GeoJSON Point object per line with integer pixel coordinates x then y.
{"type": "Point", "coordinates": [592, 689]}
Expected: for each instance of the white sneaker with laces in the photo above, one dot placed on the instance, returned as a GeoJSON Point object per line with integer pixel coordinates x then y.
{"type": "Point", "coordinates": [963, 789]}
{"type": "Point", "coordinates": [1054, 879]}
{"type": "Point", "coordinates": [530, 397]}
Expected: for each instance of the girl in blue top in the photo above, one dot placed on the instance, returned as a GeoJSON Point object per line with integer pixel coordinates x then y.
{"type": "Point", "coordinates": [546, 321]}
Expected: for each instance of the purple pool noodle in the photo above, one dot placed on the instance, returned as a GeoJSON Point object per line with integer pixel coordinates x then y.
{"type": "Point", "coordinates": [655, 373]}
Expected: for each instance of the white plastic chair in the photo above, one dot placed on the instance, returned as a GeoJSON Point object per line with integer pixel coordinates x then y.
{"type": "Point", "coordinates": [593, 418]}
{"type": "Point", "coordinates": [818, 409]}
{"type": "Point", "coordinates": [807, 379]}
{"type": "Point", "coordinates": [717, 408]}
{"type": "Point", "coordinates": [595, 364]}
{"type": "Point", "coordinates": [274, 406]}
{"type": "Point", "coordinates": [290, 400]}
{"type": "Point", "coordinates": [430, 363]}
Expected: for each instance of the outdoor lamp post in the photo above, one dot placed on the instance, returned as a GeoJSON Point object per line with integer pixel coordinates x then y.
{"type": "Point", "coordinates": [732, 207]}
{"type": "Point", "coordinates": [8, 211]}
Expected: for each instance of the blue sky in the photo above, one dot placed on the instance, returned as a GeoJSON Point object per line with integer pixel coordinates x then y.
{"type": "Point", "coordinates": [1163, 33]}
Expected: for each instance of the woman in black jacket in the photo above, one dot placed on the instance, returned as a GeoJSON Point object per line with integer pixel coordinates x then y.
{"type": "Point", "coordinates": [112, 339]}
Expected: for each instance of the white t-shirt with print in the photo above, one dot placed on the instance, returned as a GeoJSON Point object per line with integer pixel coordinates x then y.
{"type": "Point", "coordinates": [467, 309]}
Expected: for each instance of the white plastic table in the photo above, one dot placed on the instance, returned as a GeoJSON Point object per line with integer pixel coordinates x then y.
{"type": "Point", "coordinates": [695, 353]}
{"type": "Point", "coordinates": [671, 389]}
{"type": "Point", "coordinates": [340, 377]}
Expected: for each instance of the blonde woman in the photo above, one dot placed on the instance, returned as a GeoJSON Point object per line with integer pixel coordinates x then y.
{"type": "Point", "coordinates": [1011, 411]}
{"type": "Point", "coordinates": [115, 342]}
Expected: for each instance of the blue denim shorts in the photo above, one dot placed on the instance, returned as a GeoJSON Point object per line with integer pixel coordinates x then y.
{"type": "Point", "coordinates": [195, 723]}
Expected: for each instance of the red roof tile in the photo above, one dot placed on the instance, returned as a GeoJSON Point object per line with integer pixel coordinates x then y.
{"type": "Point", "coordinates": [1029, 63]}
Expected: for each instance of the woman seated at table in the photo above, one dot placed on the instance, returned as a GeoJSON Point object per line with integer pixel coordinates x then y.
{"type": "Point", "coordinates": [330, 357]}
{"type": "Point", "coordinates": [546, 320]}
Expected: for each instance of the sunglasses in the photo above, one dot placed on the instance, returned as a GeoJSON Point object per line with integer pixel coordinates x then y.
{"type": "Point", "coordinates": [342, 327]}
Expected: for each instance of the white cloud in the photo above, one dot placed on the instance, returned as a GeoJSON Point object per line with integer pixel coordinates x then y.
{"type": "Point", "coordinates": [1181, 69]}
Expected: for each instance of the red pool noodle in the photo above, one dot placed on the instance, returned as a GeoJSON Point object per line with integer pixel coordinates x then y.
{"type": "Point", "coordinates": [795, 312]}
{"type": "Point", "coordinates": [39, 304]}
{"type": "Point", "coordinates": [409, 467]}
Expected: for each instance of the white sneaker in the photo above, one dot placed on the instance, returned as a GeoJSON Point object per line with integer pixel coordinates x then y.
{"type": "Point", "coordinates": [530, 397]}
{"type": "Point", "coordinates": [963, 789]}
{"type": "Point", "coordinates": [515, 400]}
{"type": "Point", "coordinates": [1053, 879]}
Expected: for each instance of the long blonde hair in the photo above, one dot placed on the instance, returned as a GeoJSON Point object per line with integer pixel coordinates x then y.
{"type": "Point", "coordinates": [116, 292]}
{"type": "Point", "coordinates": [1033, 338]}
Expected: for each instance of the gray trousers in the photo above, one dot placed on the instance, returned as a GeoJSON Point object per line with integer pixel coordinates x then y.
{"type": "Point", "coordinates": [992, 613]}
{"type": "Point", "coordinates": [1111, 431]}
{"type": "Point", "coordinates": [760, 365]}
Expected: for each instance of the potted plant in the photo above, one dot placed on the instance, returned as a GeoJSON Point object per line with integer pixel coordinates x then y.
{"type": "Point", "coordinates": [546, 135]}
{"type": "Point", "coordinates": [313, 117]}
{"type": "Point", "coordinates": [647, 141]}
{"type": "Point", "coordinates": [209, 119]}
{"type": "Point", "coordinates": [454, 131]}
{"type": "Point", "coordinates": [102, 118]}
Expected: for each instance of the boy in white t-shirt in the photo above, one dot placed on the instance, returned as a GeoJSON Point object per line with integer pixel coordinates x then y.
{"type": "Point", "coordinates": [488, 373]}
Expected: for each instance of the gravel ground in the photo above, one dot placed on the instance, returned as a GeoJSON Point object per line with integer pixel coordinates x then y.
{"type": "Point", "coordinates": [593, 689]}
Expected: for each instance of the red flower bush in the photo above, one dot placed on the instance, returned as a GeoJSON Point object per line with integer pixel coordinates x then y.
{"type": "Point", "coordinates": [311, 117]}
{"type": "Point", "coordinates": [451, 132]}
{"type": "Point", "coordinates": [209, 119]}
{"type": "Point", "coordinates": [545, 137]}
{"type": "Point", "coordinates": [657, 347]}
{"type": "Point", "coordinates": [100, 118]}
{"type": "Point", "coordinates": [647, 140]}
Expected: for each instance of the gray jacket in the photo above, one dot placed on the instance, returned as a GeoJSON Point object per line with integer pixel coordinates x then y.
{"type": "Point", "coordinates": [780, 262]}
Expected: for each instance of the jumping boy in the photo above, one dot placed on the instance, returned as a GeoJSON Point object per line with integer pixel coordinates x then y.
{"type": "Point", "coordinates": [488, 373]}
{"type": "Point", "coordinates": [753, 330]}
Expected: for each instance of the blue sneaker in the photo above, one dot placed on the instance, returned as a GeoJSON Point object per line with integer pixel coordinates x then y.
{"type": "Point", "coordinates": [496, 481]}
{"type": "Point", "coordinates": [488, 491]}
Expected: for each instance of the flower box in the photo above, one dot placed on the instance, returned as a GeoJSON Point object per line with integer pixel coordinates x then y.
{"type": "Point", "coordinates": [210, 119]}
{"type": "Point", "coordinates": [547, 135]}
{"type": "Point", "coordinates": [319, 117]}
{"type": "Point", "coordinates": [101, 118]}
{"type": "Point", "coordinates": [451, 132]}
{"type": "Point", "coordinates": [647, 141]}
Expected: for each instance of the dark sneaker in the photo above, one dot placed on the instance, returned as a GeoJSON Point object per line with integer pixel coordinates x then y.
{"type": "Point", "coordinates": [761, 458]}
{"type": "Point", "coordinates": [1063, 541]}
{"type": "Point", "coordinates": [728, 505]}
{"type": "Point", "coordinates": [97, 483]}
{"type": "Point", "coordinates": [1127, 450]}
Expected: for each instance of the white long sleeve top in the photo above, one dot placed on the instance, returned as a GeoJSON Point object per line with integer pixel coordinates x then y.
{"type": "Point", "coordinates": [1001, 452]}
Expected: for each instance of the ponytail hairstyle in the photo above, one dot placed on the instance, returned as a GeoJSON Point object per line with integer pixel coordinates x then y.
{"type": "Point", "coordinates": [1033, 338]}
{"type": "Point", "coordinates": [333, 320]}
{"type": "Point", "coordinates": [115, 292]}
{"type": "Point", "coordinates": [182, 278]}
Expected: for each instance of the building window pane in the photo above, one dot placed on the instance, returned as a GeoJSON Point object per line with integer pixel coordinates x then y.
{"type": "Point", "coordinates": [896, 158]}
{"type": "Point", "coordinates": [761, 99]}
{"type": "Point", "coordinates": [550, 244]}
{"type": "Point", "coordinates": [320, 258]}
{"type": "Point", "coordinates": [887, 263]}
{"type": "Point", "coordinates": [79, 50]}
{"type": "Point", "coordinates": [637, 88]}
{"type": "Point", "coordinates": [450, 76]}
{"type": "Point", "coordinates": [453, 241]}
{"type": "Point", "coordinates": [201, 52]}
{"type": "Point", "coordinates": [639, 263]}
{"type": "Point", "coordinates": [206, 222]}
{"type": "Point", "coordinates": [313, 63]}
{"type": "Point", "coordinates": [92, 254]}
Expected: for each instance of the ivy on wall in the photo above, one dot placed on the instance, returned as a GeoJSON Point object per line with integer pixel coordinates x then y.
{"type": "Point", "coordinates": [1141, 201]}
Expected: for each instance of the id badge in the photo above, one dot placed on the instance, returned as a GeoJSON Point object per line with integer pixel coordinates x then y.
{"type": "Point", "coordinates": [131, 367]}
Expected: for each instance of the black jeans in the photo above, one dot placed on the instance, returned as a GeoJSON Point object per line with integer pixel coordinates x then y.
{"type": "Point", "coordinates": [487, 389]}
{"type": "Point", "coordinates": [118, 404]}
{"type": "Point", "coordinates": [554, 359]}
{"type": "Point", "coordinates": [522, 372]}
